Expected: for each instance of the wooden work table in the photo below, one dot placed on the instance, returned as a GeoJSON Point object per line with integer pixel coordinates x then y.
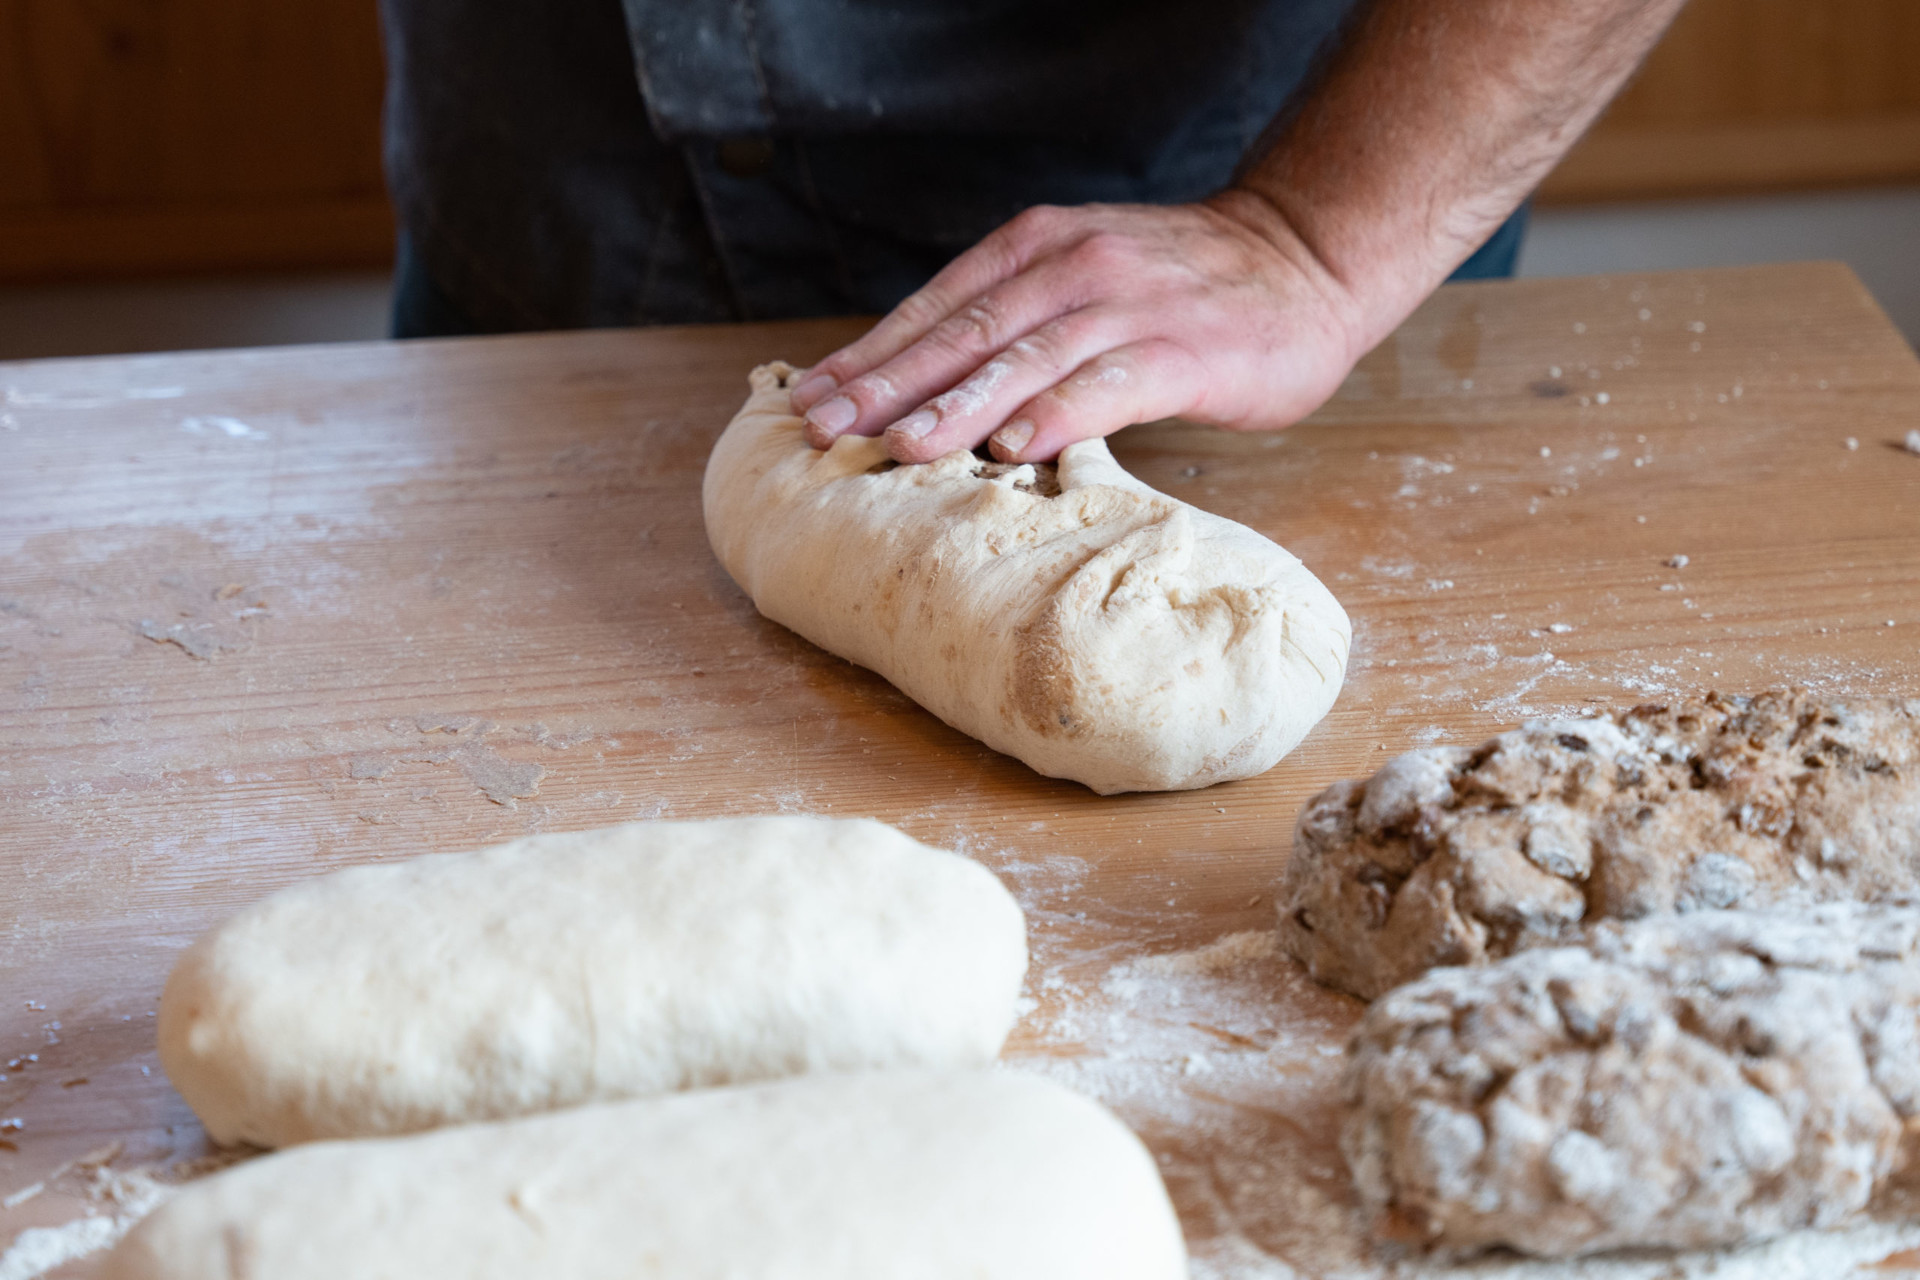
{"type": "Point", "coordinates": [268, 613]}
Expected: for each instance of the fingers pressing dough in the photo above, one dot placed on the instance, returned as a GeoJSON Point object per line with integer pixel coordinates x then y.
{"type": "Point", "coordinates": [1457, 855]}
{"type": "Point", "coordinates": [1686, 1080]}
{"type": "Point", "coordinates": [567, 969]}
{"type": "Point", "coordinates": [941, 1176]}
{"type": "Point", "coordinates": [1071, 617]}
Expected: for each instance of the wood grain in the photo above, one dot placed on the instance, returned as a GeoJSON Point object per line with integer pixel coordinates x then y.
{"type": "Point", "coordinates": [141, 136]}
{"type": "Point", "coordinates": [153, 136]}
{"type": "Point", "coordinates": [1760, 95]}
{"type": "Point", "coordinates": [68, 244]}
{"type": "Point", "coordinates": [375, 572]}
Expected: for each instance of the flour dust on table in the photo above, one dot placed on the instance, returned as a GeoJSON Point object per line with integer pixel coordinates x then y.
{"type": "Point", "coordinates": [1230, 1062]}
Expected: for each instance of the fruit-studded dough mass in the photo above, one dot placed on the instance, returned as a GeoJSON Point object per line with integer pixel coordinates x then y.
{"type": "Point", "coordinates": [1069, 616]}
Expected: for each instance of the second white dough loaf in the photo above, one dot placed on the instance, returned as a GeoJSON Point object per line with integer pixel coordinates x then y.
{"type": "Point", "coordinates": [1071, 617]}
{"type": "Point", "coordinates": [977, 1175]}
{"type": "Point", "coordinates": [588, 966]}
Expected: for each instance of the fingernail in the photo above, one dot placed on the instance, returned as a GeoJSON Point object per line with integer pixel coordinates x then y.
{"type": "Point", "coordinates": [836, 415]}
{"type": "Point", "coordinates": [1012, 438]}
{"type": "Point", "coordinates": [915, 425]}
{"type": "Point", "coordinates": [815, 388]}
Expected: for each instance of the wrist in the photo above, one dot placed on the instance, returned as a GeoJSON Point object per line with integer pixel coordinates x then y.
{"type": "Point", "coordinates": [1363, 304]}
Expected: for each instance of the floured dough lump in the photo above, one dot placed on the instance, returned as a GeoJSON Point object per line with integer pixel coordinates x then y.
{"type": "Point", "coordinates": [1070, 617]}
{"type": "Point", "coordinates": [1687, 1080]}
{"type": "Point", "coordinates": [1458, 855]}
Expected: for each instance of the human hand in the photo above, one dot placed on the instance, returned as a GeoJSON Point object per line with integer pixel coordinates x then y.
{"type": "Point", "coordinates": [1071, 323]}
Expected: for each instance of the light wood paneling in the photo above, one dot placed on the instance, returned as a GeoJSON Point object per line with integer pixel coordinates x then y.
{"type": "Point", "coordinates": [150, 136]}
{"type": "Point", "coordinates": [1757, 95]}
{"type": "Point", "coordinates": [340, 549]}
{"type": "Point", "coordinates": [188, 135]}
{"type": "Point", "coordinates": [196, 238]}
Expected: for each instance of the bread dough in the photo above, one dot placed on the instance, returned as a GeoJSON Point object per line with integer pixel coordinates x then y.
{"type": "Point", "coordinates": [937, 1176]}
{"type": "Point", "coordinates": [1685, 1080]}
{"type": "Point", "coordinates": [564, 969]}
{"type": "Point", "coordinates": [1458, 855]}
{"type": "Point", "coordinates": [1073, 618]}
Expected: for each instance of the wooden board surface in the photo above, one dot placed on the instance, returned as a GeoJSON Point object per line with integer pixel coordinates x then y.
{"type": "Point", "coordinates": [265, 614]}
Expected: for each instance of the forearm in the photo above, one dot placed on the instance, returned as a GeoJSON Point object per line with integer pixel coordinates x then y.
{"type": "Point", "coordinates": [1435, 120]}
{"type": "Point", "coordinates": [1430, 126]}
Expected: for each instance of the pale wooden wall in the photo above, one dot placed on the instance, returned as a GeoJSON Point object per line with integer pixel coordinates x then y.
{"type": "Point", "coordinates": [150, 136]}
{"type": "Point", "coordinates": [1760, 95]}
{"type": "Point", "coordinates": [142, 136]}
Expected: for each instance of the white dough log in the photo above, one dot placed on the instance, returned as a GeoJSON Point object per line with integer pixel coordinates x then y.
{"type": "Point", "coordinates": [1073, 617]}
{"type": "Point", "coordinates": [983, 1175]}
{"type": "Point", "coordinates": [566, 969]}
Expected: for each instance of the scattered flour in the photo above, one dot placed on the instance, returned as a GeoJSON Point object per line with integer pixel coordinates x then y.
{"type": "Point", "coordinates": [1389, 568]}
{"type": "Point", "coordinates": [232, 427]}
{"type": "Point", "coordinates": [126, 1198]}
{"type": "Point", "coordinates": [38, 1250]}
{"type": "Point", "coordinates": [1227, 1060]}
{"type": "Point", "coordinates": [118, 1199]}
{"type": "Point", "coordinates": [1216, 957]}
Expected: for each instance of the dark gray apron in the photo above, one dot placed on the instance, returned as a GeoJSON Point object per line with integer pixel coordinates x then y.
{"type": "Point", "coordinates": [569, 163]}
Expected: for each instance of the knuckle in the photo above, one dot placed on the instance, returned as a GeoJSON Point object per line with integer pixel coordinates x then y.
{"type": "Point", "coordinates": [1045, 349]}
{"type": "Point", "coordinates": [871, 390]}
{"type": "Point", "coordinates": [1172, 361]}
{"type": "Point", "coordinates": [981, 326]}
{"type": "Point", "coordinates": [1053, 403]}
{"type": "Point", "coordinates": [1038, 222]}
{"type": "Point", "coordinates": [1102, 253]}
{"type": "Point", "coordinates": [1042, 230]}
{"type": "Point", "coordinates": [974, 394]}
{"type": "Point", "coordinates": [1100, 378]}
{"type": "Point", "coordinates": [1095, 373]}
{"type": "Point", "coordinates": [919, 310]}
{"type": "Point", "coordinates": [840, 367]}
{"type": "Point", "coordinates": [1059, 346]}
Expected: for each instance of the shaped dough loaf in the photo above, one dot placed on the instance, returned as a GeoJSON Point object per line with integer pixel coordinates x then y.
{"type": "Point", "coordinates": [1685, 1080]}
{"type": "Point", "coordinates": [938, 1176]}
{"type": "Point", "coordinates": [565, 969]}
{"type": "Point", "coordinates": [1457, 855]}
{"type": "Point", "coordinates": [1077, 620]}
